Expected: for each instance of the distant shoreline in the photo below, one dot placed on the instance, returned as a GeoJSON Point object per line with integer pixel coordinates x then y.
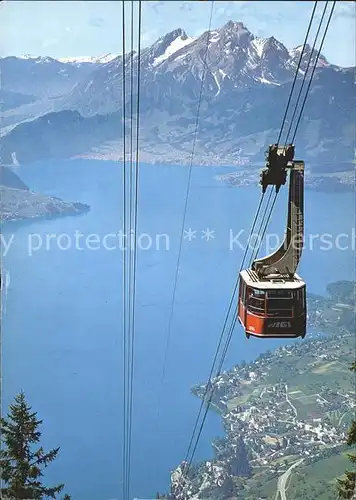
{"type": "Point", "coordinates": [17, 222]}
{"type": "Point", "coordinates": [245, 174]}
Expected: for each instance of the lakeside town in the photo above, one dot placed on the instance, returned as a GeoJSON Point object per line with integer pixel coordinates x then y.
{"type": "Point", "coordinates": [287, 409]}
{"type": "Point", "coordinates": [246, 174]}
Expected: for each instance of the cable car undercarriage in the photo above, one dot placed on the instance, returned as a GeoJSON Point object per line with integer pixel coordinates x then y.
{"type": "Point", "coordinates": [272, 297]}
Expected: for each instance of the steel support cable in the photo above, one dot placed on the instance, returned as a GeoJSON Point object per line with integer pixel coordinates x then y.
{"type": "Point", "coordinates": [235, 318]}
{"type": "Point", "coordinates": [129, 249]}
{"type": "Point", "coordinates": [312, 75]}
{"type": "Point", "coordinates": [261, 222]}
{"type": "Point", "coordinates": [287, 108]}
{"type": "Point", "coordinates": [250, 263]}
{"type": "Point", "coordinates": [293, 116]}
{"type": "Point", "coordinates": [131, 134]}
{"type": "Point", "coordinates": [306, 72]}
{"type": "Point", "coordinates": [134, 257]}
{"type": "Point", "coordinates": [186, 470]}
{"type": "Point", "coordinates": [261, 225]}
{"type": "Point", "coordinates": [286, 112]}
{"type": "Point", "coordinates": [127, 252]}
{"type": "Point", "coordinates": [265, 226]}
{"type": "Point", "coordinates": [124, 281]}
{"type": "Point", "coordinates": [218, 373]}
{"type": "Point", "coordinates": [223, 329]}
{"type": "Point", "coordinates": [297, 71]}
{"type": "Point", "coordinates": [168, 337]}
{"type": "Point", "coordinates": [304, 101]}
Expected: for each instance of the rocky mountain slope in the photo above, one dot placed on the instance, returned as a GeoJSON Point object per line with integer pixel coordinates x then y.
{"type": "Point", "coordinates": [41, 76]}
{"type": "Point", "coordinates": [246, 87]}
{"type": "Point", "coordinates": [17, 202]}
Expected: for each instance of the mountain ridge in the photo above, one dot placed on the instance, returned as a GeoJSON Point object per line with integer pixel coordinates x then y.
{"type": "Point", "coordinates": [40, 76]}
{"type": "Point", "coordinates": [246, 83]}
{"type": "Point", "coordinates": [235, 59]}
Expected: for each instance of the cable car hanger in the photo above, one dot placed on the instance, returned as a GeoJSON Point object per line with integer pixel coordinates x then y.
{"type": "Point", "coordinates": [272, 297]}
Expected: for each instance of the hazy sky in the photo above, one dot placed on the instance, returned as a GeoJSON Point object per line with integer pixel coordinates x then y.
{"type": "Point", "coordinates": [81, 28]}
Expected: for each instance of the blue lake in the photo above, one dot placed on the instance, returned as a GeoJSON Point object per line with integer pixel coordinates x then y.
{"type": "Point", "coordinates": [62, 331]}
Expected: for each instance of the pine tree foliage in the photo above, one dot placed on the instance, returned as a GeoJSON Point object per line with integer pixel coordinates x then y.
{"type": "Point", "coordinates": [20, 464]}
{"type": "Point", "coordinates": [347, 485]}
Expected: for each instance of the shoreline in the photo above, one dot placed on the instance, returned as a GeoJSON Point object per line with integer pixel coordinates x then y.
{"type": "Point", "coordinates": [242, 175]}
{"type": "Point", "coordinates": [24, 221]}
{"type": "Point", "coordinates": [245, 174]}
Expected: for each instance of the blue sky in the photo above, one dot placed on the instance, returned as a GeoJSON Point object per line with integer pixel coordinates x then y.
{"type": "Point", "coordinates": [81, 28]}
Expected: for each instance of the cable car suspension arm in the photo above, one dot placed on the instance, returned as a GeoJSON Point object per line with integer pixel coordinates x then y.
{"type": "Point", "coordinates": [284, 261]}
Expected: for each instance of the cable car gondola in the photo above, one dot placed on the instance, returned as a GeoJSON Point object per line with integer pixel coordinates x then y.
{"type": "Point", "coordinates": [272, 297]}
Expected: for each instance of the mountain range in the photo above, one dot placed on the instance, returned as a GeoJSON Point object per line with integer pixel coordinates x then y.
{"type": "Point", "coordinates": [244, 82]}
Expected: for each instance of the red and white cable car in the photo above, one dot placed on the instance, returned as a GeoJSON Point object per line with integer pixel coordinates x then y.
{"type": "Point", "coordinates": [272, 297]}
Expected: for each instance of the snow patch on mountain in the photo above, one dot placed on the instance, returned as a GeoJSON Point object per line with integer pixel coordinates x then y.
{"type": "Point", "coordinates": [217, 84]}
{"type": "Point", "coordinates": [264, 80]}
{"type": "Point", "coordinates": [37, 59]}
{"type": "Point", "coordinates": [103, 59]}
{"type": "Point", "coordinates": [258, 44]}
{"type": "Point", "coordinates": [173, 47]}
{"type": "Point", "coordinates": [214, 36]}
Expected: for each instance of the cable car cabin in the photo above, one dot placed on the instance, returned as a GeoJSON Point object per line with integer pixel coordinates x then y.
{"type": "Point", "coordinates": [272, 297]}
{"type": "Point", "coordinates": [272, 308]}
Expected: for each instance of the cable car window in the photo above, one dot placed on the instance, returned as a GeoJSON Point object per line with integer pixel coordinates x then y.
{"type": "Point", "coordinates": [256, 294]}
{"type": "Point", "coordinates": [281, 294]}
{"type": "Point", "coordinates": [280, 303]}
{"type": "Point", "coordinates": [299, 302]}
{"type": "Point", "coordinates": [256, 301]}
{"type": "Point", "coordinates": [279, 308]}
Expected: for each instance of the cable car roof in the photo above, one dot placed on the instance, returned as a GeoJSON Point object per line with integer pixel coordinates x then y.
{"type": "Point", "coordinates": [273, 282]}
